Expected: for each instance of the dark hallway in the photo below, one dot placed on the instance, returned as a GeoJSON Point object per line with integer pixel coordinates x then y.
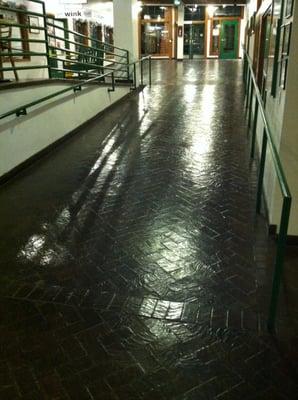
{"type": "Point", "coordinates": [130, 264]}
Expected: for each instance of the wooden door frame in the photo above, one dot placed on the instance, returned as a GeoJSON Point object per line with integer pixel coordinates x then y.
{"type": "Point", "coordinates": [220, 19]}
{"type": "Point", "coordinates": [172, 23]}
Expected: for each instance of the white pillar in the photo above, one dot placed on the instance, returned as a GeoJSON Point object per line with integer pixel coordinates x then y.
{"type": "Point", "coordinates": [180, 39]}
{"type": "Point", "coordinates": [126, 26]}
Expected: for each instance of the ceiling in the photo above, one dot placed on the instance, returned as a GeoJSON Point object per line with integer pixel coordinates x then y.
{"type": "Point", "coordinates": [203, 2]}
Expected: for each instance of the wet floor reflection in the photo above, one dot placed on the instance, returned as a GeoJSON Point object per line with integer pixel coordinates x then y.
{"type": "Point", "coordinates": [130, 251]}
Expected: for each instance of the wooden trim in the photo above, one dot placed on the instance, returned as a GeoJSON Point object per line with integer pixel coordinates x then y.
{"type": "Point", "coordinates": [167, 20]}
{"type": "Point", "coordinates": [206, 33]}
{"type": "Point", "coordinates": [220, 19]}
{"type": "Point", "coordinates": [292, 240]}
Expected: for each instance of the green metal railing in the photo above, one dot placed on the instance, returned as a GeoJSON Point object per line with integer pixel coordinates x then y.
{"type": "Point", "coordinates": [252, 90]}
{"type": "Point", "coordinates": [23, 110]}
{"type": "Point", "coordinates": [83, 58]}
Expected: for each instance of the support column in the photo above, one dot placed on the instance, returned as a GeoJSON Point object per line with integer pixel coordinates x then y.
{"type": "Point", "coordinates": [180, 39]}
{"type": "Point", "coordinates": [126, 26]}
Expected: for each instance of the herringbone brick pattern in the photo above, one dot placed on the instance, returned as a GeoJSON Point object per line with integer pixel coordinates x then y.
{"type": "Point", "coordinates": [129, 263]}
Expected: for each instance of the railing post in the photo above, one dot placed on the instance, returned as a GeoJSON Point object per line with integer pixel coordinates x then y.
{"type": "Point", "coordinates": [244, 68]}
{"type": "Point", "coordinates": [113, 83]}
{"type": "Point", "coordinates": [46, 38]}
{"type": "Point", "coordinates": [280, 255]}
{"type": "Point", "coordinates": [135, 75]}
{"type": "Point", "coordinates": [249, 79]}
{"type": "Point", "coordinates": [250, 102]}
{"type": "Point", "coordinates": [261, 172]}
{"type": "Point", "coordinates": [254, 130]}
{"type": "Point", "coordinates": [127, 60]}
{"type": "Point", "coordinates": [150, 73]}
{"type": "Point", "coordinates": [142, 78]}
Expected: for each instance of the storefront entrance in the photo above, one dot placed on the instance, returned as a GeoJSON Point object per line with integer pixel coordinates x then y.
{"type": "Point", "coordinates": [229, 39]}
{"type": "Point", "coordinates": [156, 39]}
{"type": "Point", "coordinates": [156, 28]}
{"type": "Point", "coordinates": [224, 38]}
{"type": "Point", "coordinates": [194, 40]}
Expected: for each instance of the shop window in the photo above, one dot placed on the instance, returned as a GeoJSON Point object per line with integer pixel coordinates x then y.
{"type": "Point", "coordinates": [228, 11]}
{"type": "Point", "coordinates": [194, 13]}
{"type": "Point", "coordinates": [153, 12]}
{"type": "Point", "coordinates": [11, 17]}
{"type": "Point", "coordinates": [82, 28]}
{"type": "Point", "coordinates": [282, 52]}
{"type": "Point", "coordinates": [155, 39]}
{"type": "Point", "coordinates": [109, 35]}
{"type": "Point", "coordinates": [269, 25]}
{"type": "Point", "coordinates": [156, 31]}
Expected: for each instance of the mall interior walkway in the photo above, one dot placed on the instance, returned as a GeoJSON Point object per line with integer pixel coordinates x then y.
{"type": "Point", "coordinates": [130, 263]}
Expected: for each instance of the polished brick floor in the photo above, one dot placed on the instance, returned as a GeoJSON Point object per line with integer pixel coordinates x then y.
{"type": "Point", "coordinates": [132, 265]}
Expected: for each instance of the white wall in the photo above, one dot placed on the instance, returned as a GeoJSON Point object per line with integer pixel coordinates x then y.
{"type": "Point", "coordinates": [22, 137]}
{"type": "Point", "coordinates": [282, 116]}
{"type": "Point", "coordinates": [289, 137]}
{"type": "Point", "coordinates": [126, 26]}
{"type": "Point", "coordinates": [180, 40]}
{"type": "Point", "coordinates": [102, 12]}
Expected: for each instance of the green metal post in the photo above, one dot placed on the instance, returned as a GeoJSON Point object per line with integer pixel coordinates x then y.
{"type": "Point", "coordinates": [250, 103]}
{"type": "Point", "coordinates": [142, 78]}
{"type": "Point", "coordinates": [247, 81]}
{"type": "Point", "coordinates": [150, 73]}
{"type": "Point", "coordinates": [113, 84]}
{"type": "Point", "coordinates": [245, 65]}
{"type": "Point", "coordinates": [248, 85]}
{"type": "Point", "coordinates": [254, 130]}
{"type": "Point", "coordinates": [127, 60]}
{"type": "Point", "coordinates": [46, 38]}
{"type": "Point", "coordinates": [261, 172]}
{"type": "Point", "coordinates": [280, 255]}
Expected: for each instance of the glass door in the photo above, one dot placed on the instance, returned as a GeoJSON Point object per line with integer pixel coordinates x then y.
{"type": "Point", "coordinates": [194, 40]}
{"type": "Point", "coordinates": [156, 39]}
{"type": "Point", "coordinates": [198, 38]}
{"type": "Point", "coordinates": [229, 37]}
{"type": "Point", "coordinates": [156, 31]}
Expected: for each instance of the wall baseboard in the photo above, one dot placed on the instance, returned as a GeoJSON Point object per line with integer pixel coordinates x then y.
{"type": "Point", "coordinates": [6, 178]}
{"type": "Point", "coordinates": [292, 240]}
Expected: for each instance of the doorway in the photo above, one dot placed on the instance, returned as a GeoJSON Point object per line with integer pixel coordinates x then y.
{"type": "Point", "coordinates": [194, 40]}
{"type": "Point", "coordinates": [156, 39]}
{"type": "Point", "coordinates": [156, 29]}
{"type": "Point", "coordinates": [229, 39]}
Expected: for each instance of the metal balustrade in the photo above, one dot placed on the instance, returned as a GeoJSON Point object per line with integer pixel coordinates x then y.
{"type": "Point", "coordinates": [81, 55]}
{"type": "Point", "coordinates": [83, 58]}
{"type": "Point", "coordinates": [252, 91]}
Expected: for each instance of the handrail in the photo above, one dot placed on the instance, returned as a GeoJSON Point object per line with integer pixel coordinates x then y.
{"type": "Point", "coordinates": [81, 45]}
{"type": "Point", "coordinates": [84, 36]}
{"type": "Point", "coordinates": [83, 60]}
{"type": "Point", "coordinates": [279, 169]}
{"type": "Point", "coordinates": [140, 60]}
{"type": "Point", "coordinates": [251, 87]}
{"type": "Point", "coordinates": [22, 110]}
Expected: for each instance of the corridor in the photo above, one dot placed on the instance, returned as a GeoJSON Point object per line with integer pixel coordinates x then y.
{"type": "Point", "coordinates": [130, 267]}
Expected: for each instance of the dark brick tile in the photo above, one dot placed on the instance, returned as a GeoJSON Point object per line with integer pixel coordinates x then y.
{"type": "Point", "coordinates": [132, 263]}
